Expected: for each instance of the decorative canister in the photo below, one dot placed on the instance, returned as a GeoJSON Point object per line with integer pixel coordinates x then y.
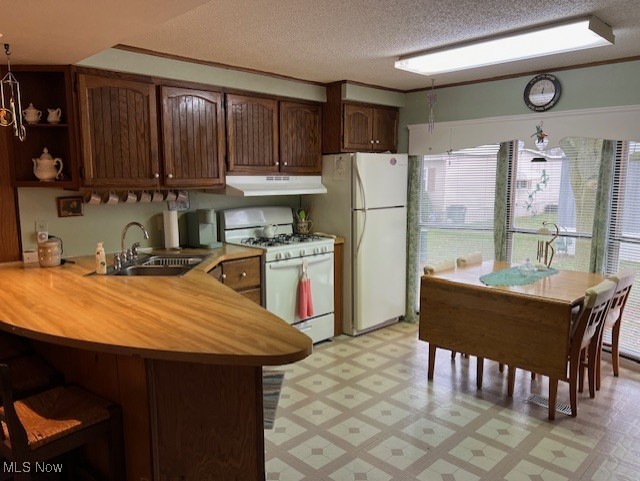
{"type": "Point", "coordinates": [50, 252]}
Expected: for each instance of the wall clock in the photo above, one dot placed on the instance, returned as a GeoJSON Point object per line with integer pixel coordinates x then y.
{"type": "Point", "coordinates": [542, 92]}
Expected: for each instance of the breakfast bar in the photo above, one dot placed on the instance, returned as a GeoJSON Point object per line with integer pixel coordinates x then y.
{"type": "Point", "coordinates": [183, 356]}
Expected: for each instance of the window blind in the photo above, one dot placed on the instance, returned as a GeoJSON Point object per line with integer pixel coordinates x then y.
{"type": "Point", "coordinates": [623, 246]}
{"type": "Point", "coordinates": [457, 203]}
{"type": "Point", "coordinates": [558, 186]}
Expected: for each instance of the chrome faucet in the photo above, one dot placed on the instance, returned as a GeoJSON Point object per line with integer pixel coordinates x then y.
{"type": "Point", "coordinates": [131, 254]}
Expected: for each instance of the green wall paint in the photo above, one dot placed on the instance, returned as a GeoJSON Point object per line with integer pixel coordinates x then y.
{"type": "Point", "coordinates": [590, 87]}
{"type": "Point", "coordinates": [132, 62]}
{"type": "Point", "coordinates": [105, 222]}
{"type": "Point", "coordinates": [360, 93]}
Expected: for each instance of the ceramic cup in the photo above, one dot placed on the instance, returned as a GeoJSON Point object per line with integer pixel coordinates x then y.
{"type": "Point", "coordinates": [182, 196]}
{"type": "Point", "coordinates": [303, 226]}
{"type": "Point", "coordinates": [129, 197]}
{"type": "Point", "coordinates": [110, 198]}
{"type": "Point", "coordinates": [171, 196]}
{"type": "Point", "coordinates": [157, 196]}
{"type": "Point", "coordinates": [144, 197]}
{"type": "Point", "coordinates": [92, 198]}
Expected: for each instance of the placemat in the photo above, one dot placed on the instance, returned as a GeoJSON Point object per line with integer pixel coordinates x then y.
{"type": "Point", "coordinates": [513, 276]}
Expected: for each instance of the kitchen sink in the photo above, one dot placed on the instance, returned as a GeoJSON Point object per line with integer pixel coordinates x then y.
{"type": "Point", "coordinates": [160, 265]}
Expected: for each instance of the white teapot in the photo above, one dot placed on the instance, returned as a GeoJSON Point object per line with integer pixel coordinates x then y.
{"type": "Point", "coordinates": [31, 114]}
{"type": "Point", "coordinates": [44, 167]}
{"type": "Point", "coordinates": [54, 115]}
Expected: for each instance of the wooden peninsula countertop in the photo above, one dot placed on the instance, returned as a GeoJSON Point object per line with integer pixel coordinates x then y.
{"type": "Point", "coordinates": [192, 318]}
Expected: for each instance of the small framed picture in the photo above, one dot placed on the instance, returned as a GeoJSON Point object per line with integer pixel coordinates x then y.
{"type": "Point", "coordinates": [70, 206]}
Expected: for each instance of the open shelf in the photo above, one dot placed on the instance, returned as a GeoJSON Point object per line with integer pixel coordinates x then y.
{"type": "Point", "coordinates": [46, 87]}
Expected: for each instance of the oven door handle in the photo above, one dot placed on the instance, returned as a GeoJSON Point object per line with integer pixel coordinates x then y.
{"type": "Point", "coordinates": [286, 264]}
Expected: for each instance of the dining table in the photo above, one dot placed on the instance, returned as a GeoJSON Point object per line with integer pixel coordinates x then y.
{"type": "Point", "coordinates": [523, 326]}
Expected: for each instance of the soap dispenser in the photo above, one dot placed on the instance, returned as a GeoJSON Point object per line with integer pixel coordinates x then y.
{"type": "Point", "coordinates": [101, 259]}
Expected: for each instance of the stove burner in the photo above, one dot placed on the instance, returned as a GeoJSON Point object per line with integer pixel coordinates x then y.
{"type": "Point", "coordinates": [280, 240]}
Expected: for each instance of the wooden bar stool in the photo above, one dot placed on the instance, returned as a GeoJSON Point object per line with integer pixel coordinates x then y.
{"type": "Point", "coordinates": [54, 422]}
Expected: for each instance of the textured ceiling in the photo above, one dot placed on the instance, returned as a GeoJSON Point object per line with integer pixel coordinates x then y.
{"type": "Point", "coordinates": [316, 40]}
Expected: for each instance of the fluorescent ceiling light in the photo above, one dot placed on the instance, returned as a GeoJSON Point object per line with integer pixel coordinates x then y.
{"type": "Point", "coordinates": [537, 42]}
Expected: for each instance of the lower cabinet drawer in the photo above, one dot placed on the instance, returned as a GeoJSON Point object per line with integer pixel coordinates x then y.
{"type": "Point", "coordinates": [242, 273]}
{"type": "Point", "coordinates": [253, 295]}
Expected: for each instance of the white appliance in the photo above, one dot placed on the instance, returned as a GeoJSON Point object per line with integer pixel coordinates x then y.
{"type": "Point", "coordinates": [256, 185]}
{"type": "Point", "coordinates": [366, 204]}
{"type": "Point", "coordinates": [285, 254]}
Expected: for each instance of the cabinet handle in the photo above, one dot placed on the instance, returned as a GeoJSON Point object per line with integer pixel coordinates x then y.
{"type": "Point", "coordinates": [243, 274]}
{"type": "Point", "coordinates": [372, 141]}
{"type": "Point", "coordinates": [223, 277]}
{"type": "Point", "coordinates": [277, 163]}
{"type": "Point", "coordinates": [156, 175]}
{"type": "Point", "coordinates": [286, 163]}
{"type": "Point", "coordinates": [377, 141]}
{"type": "Point", "coordinates": [169, 176]}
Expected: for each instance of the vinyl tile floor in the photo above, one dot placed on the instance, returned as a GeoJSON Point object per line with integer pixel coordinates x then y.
{"type": "Point", "coordinates": [361, 409]}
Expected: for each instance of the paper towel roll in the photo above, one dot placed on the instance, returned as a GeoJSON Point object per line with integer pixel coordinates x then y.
{"type": "Point", "coordinates": [171, 233]}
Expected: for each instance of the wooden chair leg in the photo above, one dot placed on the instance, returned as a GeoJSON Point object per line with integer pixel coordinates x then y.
{"type": "Point", "coordinates": [573, 388]}
{"type": "Point", "coordinates": [581, 366]}
{"type": "Point", "coordinates": [500, 367]}
{"type": "Point", "coordinates": [533, 376]}
{"type": "Point", "coordinates": [511, 380]}
{"type": "Point", "coordinates": [479, 372]}
{"type": "Point", "coordinates": [592, 365]}
{"type": "Point", "coordinates": [553, 396]}
{"type": "Point", "coordinates": [453, 354]}
{"type": "Point", "coordinates": [599, 361]}
{"type": "Point", "coordinates": [432, 361]}
{"type": "Point", "coordinates": [615, 348]}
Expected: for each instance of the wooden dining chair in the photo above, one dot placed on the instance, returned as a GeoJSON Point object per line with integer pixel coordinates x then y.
{"type": "Point", "coordinates": [583, 346]}
{"type": "Point", "coordinates": [624, 280]}
{"type": "Point", "coordinates": [54, 422]}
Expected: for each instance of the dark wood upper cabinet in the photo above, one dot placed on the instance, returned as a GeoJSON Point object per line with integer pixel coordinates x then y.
{"type": "Point", "coordinates": [119, 132]}
{"type": "Point", "coordinates": [252, 134]}
{"type": "Point", "coordinates": [356, 127]}
{"type": "Point", "coordinates": [300, 137]}
{"type": "Point", "coordinates": [385, 129]}
{"type": "Point", "coordinates": [46, 87]}
{"type": "Point", "coordinates": [193, 137]}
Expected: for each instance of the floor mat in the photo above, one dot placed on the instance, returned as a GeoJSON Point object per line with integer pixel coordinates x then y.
{"type": "Point", "coordinates": [271, 387]}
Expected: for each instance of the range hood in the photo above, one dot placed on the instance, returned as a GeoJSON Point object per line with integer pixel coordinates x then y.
{"type": "Point", "coordinates": [257, 185]}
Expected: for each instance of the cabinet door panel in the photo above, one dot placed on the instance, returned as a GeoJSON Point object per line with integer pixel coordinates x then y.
{"type": "Point", "coordinates": [385, 128]}
{"type": "Point", "coordinates": [193, 131]}
{"type": "Point", "coordinates": [358, 127]}
{"type": "Point", "coordinates": [300, 137]}
{"type": "Point", "coordinates": [252, 134]}
{"type": "Point", "coordinates": [119, 132]}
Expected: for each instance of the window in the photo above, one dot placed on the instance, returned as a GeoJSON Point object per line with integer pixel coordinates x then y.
{"type": "Point", "coordinates": [623, 246]}
{"type": "Point", "coordinates": [456, 211]}
{"type": "Point", "coordinates": [562, 191]}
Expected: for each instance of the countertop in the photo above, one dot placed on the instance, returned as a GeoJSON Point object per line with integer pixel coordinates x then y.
{"type": "Point", "coordinates": [190, 318]}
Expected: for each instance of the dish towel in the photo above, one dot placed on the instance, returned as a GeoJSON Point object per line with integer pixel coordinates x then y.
{"type": "Point", "coordinates": [305, 302]}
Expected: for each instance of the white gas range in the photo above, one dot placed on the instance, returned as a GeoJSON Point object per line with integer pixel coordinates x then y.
{"type": "Point", "coordinates": [286, 257]}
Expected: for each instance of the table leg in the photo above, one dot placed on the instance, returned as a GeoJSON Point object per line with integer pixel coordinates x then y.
{"type": "Point", "coordinates": [553, 396]}
{"type": "Point", "coordinates": [432, 361]}
{"type": "Point", "coordinates": [511, 380]}
{"type": "Point", "coordinates": [479, 372]}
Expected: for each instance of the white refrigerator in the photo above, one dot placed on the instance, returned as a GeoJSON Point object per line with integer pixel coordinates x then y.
{"type": "Point", "coordinates": [366, 204]}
